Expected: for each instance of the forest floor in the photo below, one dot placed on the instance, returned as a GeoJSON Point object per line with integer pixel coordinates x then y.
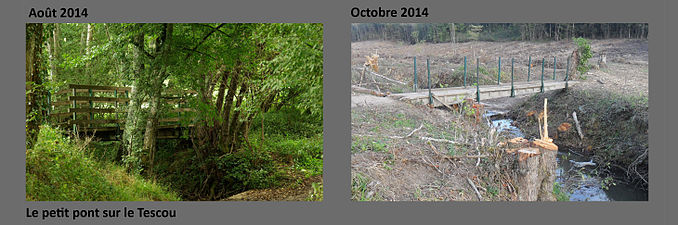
{"type": "Point", "coordinates": [387, 167]}
{"type": "Point", "coordinates": [295, 191]}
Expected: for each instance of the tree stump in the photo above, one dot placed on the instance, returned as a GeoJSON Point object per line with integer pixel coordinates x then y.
{"type": "Point", "coordinates": [547, 169]}
{"type": "Point", "coordinates": [536, 165]}
{"type": "Point", "coordinates": [528, 181]}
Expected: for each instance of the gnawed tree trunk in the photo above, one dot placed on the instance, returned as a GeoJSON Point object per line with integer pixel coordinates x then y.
{"type": "Point", "coordinates": [34, 89]}
{"type": "Point", "coordinates": [536, 165]}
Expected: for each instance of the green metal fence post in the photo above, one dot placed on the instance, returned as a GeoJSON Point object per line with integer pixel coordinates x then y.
{"type": "Point", "coordinates": [567, 71]}
{"type": "Point", "coordinates": [477, 80]}
{"type": "Point", "coordinates": [464, 71]}
{"type": "Point", "coordinates": [428, 71]}
{"type": "Point", "coordinates": [499, 71]}
{"type": "Point", "coordinates": [415, 74]}
{"type": "Point", "coordinates": [513, 93]}
{"type": "Point", "coordinates": [554, 68]}
{"type": "Point", "coordinates": [529, 68]}
{"type": "Point", "coordinates": [542, 75]}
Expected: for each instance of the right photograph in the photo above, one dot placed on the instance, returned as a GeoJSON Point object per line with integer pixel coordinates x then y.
{"type": "Point", "coordinates": [499, 112]}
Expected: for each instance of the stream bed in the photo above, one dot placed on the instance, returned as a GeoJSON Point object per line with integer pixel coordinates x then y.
{"type": "Point", "coordinates": [575, 172]}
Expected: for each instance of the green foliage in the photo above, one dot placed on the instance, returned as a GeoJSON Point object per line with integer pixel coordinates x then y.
{"type": "Point", "coordinates": [277, 70]}
{"type": "Point", "coordinates": [585, 54]}
{"type": "Point", "coordinates": [368, 144]}
{"type": "Point", "coordinates": [360, 190]}
{"type": "Point", "coordinates": [231, 173]}
{"type": "Point", "coordinates": [492, 190]}
{"type": "Point", "coordinates": [57, 169]}
{"type": "Point", "coordinates": [316, 193]}
{"type": "Point", "coordinates": [560, 193]}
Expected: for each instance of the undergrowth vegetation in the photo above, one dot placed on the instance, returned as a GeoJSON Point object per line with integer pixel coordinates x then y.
{"type": "Point", "coordinates": [291, 151]}
{"type": "Point", "coordinates": [60, 169]}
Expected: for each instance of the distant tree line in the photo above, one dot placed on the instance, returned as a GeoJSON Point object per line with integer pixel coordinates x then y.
{"type": "Point", "coordinates": [462, 32]}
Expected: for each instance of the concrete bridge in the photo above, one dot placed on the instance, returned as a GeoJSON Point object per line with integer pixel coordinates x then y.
{"type": "Point", "coordinates": [456, 95]}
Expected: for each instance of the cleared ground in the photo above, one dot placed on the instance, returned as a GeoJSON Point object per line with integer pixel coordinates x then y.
{"type": "Point", "coordinates": [387, 164]}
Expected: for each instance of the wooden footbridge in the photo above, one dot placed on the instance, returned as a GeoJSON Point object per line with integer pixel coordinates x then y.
{"type": "Point", "coordinates": [455, 95]}
{"type": "Point", "coordinates": [101, 111]}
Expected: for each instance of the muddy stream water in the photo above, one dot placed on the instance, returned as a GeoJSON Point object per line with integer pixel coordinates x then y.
{"type": "Point", "coordinates": [576, 173]}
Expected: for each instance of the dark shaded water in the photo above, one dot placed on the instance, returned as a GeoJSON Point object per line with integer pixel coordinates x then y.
{"type": "Point", "coordinates": [580, 181]}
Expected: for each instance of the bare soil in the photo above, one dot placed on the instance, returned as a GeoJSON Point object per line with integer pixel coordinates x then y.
{"type": "Point", "coordinates": [626, 71]}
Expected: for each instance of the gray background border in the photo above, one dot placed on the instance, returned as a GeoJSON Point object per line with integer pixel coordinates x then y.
{"type": "Point", "coordinates": [337, 208]}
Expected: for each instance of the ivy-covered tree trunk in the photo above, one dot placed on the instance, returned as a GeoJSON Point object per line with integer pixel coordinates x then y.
{"type": "Point", "coordinates": [34, 89]}
{"type": "Point", "coordinates": [161, 60]}
{"type": "Point", "coordinates": [151, 131]}
{"type": "Point", "coordinates": [132, 136]}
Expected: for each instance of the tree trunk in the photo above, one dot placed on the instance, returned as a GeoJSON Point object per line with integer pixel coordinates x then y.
{"type": "Point", "coordinates": [547, 164]}
{"type": "Point", "coordinates": [34, 93]}
{"type": "Point", "coordinates": [236, 115]}
{"type": "Point", "coordinates": [54, 51]}
{"type": "Point", "coordinates": [527, 180]}
{"type": "Point", "coordinates": [163, 50]}
{"type": "Point", "coordinates": [132, 136]}
{"type": "Point", "coordinates": [453, 33]}
{"type": "Point", "coordinates": [151, 131]}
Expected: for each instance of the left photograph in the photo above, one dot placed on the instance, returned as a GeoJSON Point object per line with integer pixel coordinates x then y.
{"type": "Point", "coordinates": [174, 112]}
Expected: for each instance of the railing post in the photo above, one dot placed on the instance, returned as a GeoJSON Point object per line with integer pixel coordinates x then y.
{"type": "Point", "coordinates": [567, 71]}
{"type": "Point", "coordinates": [91, 105]}
{"type": "Point", "coordinates": [428, 71]}
{"type": "Point", "coordinates": [464, 71]}
{"type": "Point", "coordinates": [542, 75]}
{"type": "Point", "coordinates": [116, 104]}
{"type": "Point", "coordinates": [477, 80]}
{"type": "Point", "coordinates": [75, 116]}
{"type": "Point", "coordinates": [554, 68]}
{"type": "Point", "coordinates": [499, 71]}
{"type": "Point", "coordinates": [415, 74]}
{"type": "Point", "coordinates": [529, 68]}
{"type": "Point", "coordinates": [513, 93]}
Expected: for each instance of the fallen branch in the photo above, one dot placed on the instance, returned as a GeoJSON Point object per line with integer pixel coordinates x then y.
{"type": "Point", "coordinates": [437, 140]}
{"type": "Point", "coordinates": [480, 198]}
{"type": "Point", "coordinates": [441, 102]}
{"type": "Point", "coordinates": [415, 130]}
{"type": "Point", "coordinates": [386, 78]}
{"type": "Point", "coordinates": [576, 123]}
{"type": "Point", "coordinates": [368, 91]}
{"type": "Point", "coordinates": [466, 156]}
{"type": "Point", "coordinates": [582, 164]}
{"type": "Point", "coordinates": [375, 83]}
{"type": "Point", "coordinates": [434, 148]}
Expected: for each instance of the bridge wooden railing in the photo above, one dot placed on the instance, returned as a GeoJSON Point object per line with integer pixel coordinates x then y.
{"type": "Point", "coordinates": [92, 108]}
